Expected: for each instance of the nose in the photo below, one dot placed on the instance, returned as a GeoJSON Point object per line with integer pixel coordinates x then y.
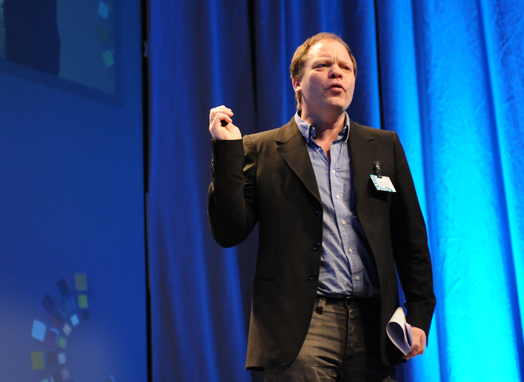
{"type": "Point", "coordinates": [336, 72]}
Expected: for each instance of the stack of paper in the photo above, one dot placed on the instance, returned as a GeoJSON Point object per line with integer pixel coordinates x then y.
{"type": "Point", "coordinates": [399, 331]}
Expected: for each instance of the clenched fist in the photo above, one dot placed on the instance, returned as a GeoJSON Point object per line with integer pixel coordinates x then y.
{"type": "Point", "coordinates": [221, 125]}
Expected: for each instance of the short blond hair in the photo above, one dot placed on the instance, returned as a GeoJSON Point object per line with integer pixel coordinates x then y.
{"type": "Point", "coordinates": [299, 58]}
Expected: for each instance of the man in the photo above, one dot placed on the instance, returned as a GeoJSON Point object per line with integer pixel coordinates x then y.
{"type": "Point", "coordinates": [325, 283]}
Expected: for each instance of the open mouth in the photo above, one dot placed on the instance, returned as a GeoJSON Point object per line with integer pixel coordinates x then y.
{"type": "Point", "coordinates": [336, 86]}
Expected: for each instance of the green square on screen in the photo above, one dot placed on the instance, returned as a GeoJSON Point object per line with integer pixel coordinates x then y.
{"type": "Point", "coordinates": [82, 301]}
{"type": "Point", "coordinates": [37, 360]}
{"type": "Point", "coordinates": [107, 56]}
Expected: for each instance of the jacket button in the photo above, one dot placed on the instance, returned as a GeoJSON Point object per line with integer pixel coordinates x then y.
{"type": "Point", "coordinates": [318, 215]}
{"type": "Point", "coordinates": [316, 246]}
{"type": "Point", "coordinates": [313, 276]}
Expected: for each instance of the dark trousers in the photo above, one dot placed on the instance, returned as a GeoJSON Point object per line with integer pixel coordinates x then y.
{"type": "Point", "coordinates": [342, 345]}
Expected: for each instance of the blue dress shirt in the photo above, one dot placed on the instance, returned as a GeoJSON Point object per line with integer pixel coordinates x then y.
{"type": "Point", "coordinates": [346, 265]}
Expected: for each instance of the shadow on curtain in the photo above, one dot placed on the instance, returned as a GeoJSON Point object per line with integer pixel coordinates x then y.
{"type": "Point", "coordinates": [446, 75]}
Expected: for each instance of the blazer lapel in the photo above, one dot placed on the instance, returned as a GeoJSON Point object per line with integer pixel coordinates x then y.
{"type": "Point", "coordinates": [362, 151]}
{"type": "Point", "coordinates": [292, 148]}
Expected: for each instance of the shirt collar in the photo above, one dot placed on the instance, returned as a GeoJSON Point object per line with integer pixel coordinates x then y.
{"type": "Point", "coordinates": [308, 131]}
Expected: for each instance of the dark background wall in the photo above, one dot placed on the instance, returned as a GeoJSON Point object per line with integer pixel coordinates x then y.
{"type": "Point", "coordinates": [72, 195]}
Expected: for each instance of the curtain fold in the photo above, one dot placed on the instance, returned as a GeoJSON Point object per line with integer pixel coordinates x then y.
{"type": "Point", "coordinates": [446, 75]}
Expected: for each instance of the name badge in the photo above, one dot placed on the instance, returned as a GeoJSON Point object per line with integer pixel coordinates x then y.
{"type": "Point", "coordinates": [383, 183]}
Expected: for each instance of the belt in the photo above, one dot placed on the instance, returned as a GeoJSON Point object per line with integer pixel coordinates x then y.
{"type": "Point", "coordinates": [367, 303]}
{"type": "Point", "coordinates": [336, 300]}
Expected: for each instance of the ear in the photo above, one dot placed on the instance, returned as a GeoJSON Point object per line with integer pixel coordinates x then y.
{"type": "Point", "coordinates": [297, 84]}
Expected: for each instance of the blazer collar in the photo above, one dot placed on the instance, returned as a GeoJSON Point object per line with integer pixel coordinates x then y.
{"type": "Point", "coordinates": [292, 148]}
{"type": "Point", "coordinates": [362, 150]}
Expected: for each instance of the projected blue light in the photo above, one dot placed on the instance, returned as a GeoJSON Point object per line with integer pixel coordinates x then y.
{"type": "Point", "coordinates": [447, 76]}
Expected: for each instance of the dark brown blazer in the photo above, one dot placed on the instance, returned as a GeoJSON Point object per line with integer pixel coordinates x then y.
{"type": "Point", "coordinates": [268, 178]}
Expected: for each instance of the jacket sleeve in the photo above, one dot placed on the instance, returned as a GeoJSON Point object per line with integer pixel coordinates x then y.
{"type": "Point", "coordinates": [410, 246]}
{"type": "Point", "coordinates": [232, 193]}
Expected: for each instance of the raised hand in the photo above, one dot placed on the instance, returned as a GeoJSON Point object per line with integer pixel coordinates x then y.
{"type": "Point", "coordinates": [221, 125]}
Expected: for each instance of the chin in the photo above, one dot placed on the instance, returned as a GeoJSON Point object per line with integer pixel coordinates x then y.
{"type": "Point", "coordinates": [342, 104]}
{"type": "Point", "coordinates": [339, 107]}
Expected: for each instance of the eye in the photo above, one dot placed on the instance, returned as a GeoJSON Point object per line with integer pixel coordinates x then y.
{"type": "Point", "coordinates": [323, 65]}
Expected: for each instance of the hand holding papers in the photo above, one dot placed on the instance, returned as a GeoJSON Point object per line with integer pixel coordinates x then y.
{"type": "Point", "coordinates": [399, 331]}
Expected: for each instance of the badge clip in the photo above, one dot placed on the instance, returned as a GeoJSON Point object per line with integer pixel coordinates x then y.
{"type": "Point", "coordinates": [377, 169]}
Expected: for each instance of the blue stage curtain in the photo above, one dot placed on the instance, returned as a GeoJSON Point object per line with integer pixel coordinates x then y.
{"type": "Point", "coordinates": [446, 75]}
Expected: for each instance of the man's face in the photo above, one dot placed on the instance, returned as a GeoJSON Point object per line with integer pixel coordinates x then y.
{"type": "Point", "coordinates": [328, 80]}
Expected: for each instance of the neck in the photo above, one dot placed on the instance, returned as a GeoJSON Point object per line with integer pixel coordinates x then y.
{"type": "Point", "coordinates": [325, 124]}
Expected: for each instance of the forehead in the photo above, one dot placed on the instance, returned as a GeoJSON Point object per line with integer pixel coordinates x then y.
{"type": "Point", "coordinates": [328, 48]}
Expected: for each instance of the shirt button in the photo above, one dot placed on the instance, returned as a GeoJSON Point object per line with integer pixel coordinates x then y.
{"type": "Point", "coordinates": [318, 215]}
{"type": "Point", "coordinates": [350, 250]}
{"type": "Point", "coordinates": [343, 222]}
{"type": "Point", "coordinates": [358, 278]}
{"type": "Point", "coordinates": [338, 197]}
{"type": "Point", "coordinates": [333, 171]}
{"type": "Point", "coordinates": [313, 276]}
{"type": "Point", "coordinates": [316, 246]}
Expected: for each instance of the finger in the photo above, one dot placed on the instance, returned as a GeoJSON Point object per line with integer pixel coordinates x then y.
{"type": "Point", "coordinates": [417, 350]}
{"type": "Point", "coordinates": [229, 132]}
{"type": "Point", "coordinates": [409, 355]}
{"type": "Point", "coordinates": [216, 128]}
{"type": "Point", "coordinates": [218, 118]}
{"type": "Point", "coordinates": [220, 109]}
{"type": "Point", "coordinates": [223, 108]}
{"type": "Point", "coordinates": [221, 117]}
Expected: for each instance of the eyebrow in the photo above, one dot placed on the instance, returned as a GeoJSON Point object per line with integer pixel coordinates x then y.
{"type": "Point", "coordinates": [327, 58]}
